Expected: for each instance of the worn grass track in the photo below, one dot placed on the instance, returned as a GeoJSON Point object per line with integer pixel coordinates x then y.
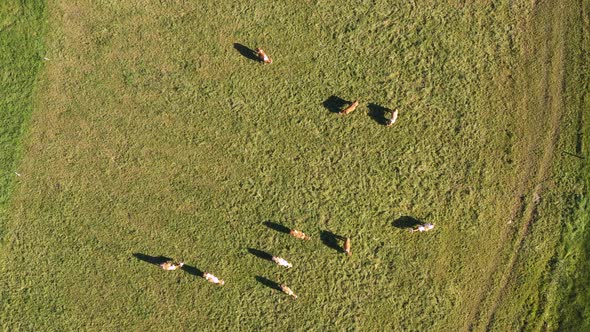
{"type": "Point", "coordinates": [538, 90]}
{"type": "Point", "coordinates": [552, 98]}
{"type": "Point", "coordinates": [546, 46]}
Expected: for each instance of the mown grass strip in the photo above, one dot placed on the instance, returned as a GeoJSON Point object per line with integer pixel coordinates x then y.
{"type": "Point", "coordinates": [574, 269]}
{"type": "Point", "coordinates": [21, 56]}
{"type": "Point", "coordinates": [567, 292]}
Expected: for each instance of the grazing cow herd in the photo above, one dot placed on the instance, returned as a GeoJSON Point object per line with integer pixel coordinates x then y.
{"type": "Point", "coordinates": [265, 59]}
{"type": "Point", "coordinates": [171, 265]}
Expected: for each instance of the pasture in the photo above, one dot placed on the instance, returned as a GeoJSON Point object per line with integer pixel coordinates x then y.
{"type": "Point", "coordinates": [154, 134]}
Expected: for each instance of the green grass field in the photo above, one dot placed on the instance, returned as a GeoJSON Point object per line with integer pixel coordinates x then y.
{"type": "Point", "coordinates": [21, 45]}
{"type": "Point", "coordinates": [153, 135]}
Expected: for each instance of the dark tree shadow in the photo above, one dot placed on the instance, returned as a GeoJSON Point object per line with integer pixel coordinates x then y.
{"type": "Point", "coordinates": [331, 240]}
{"type": "Point", "coordinates": [335, 104]}
{"type": "Point", "coordinates": [260, 254]}
{"type": "Point", "coordinates": [268, 283]}
{"type": "Point", "coordinates": [246, 52]}
{"type": "Point", "coordinates": [406, 222]}
{"type": "Point", "coordinates": [192, 270]}
{"type": "Point", "coordinates": [277, 227]}
{"type": "Point", "coordinates": [379, 113]}
{"type": "Point", "coordinates": [156, 260]}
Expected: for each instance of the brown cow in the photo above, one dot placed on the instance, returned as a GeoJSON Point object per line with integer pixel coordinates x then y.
{"type": "Point", "coordinates": [288, 291]}
{"type": "Point", "coordinates": [211, 278]}
{"type": "Point", "coordinates": [171, 266]}
{"type": "Point", "coordinates": [350, 108]}
{"type": "Point", "coordinates": [263, 57]}
{"type": "Point", "coordinates": [299, 234]}
{"type": "Point", "coordinates": [347, 247]}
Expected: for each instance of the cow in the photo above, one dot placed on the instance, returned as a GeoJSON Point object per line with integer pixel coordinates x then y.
{"type": "Point", "coordinates": [393, 118]}
{"type": "Point", "coordinates": [171, 266]}
{"type": "Point", "coordinates": [422, 228]}
{"type": "Point", "coordinates": [211, 278]}
{"type": "Point", "coordinates": [299, 234]}
{"type": "Point", "coordinates": [263, 57]}
{"type": "Point", "coordinates": [282, 262]}
{"type": "Point", "coordinates": [347, 247]}
{"type": "Point", "coordinates": [350, 108]}
{"type": "Point", "coordinates": [288, 291]}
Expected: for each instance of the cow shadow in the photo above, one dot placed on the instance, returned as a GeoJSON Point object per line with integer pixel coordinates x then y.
{"type": "Point", "coordinates": [268, 283]}
{"type": "Point", "coordinates": [277, 227]}
{"type": "Point", "coordinates": [378, 113]}
{"type": "Point", "coordinates": [332, 240]}
{"type": "Point", "coordinates": [406, 222]}
{"type": "Point", "coordinates": [192, 270]}
{"type": "Point", "coordinates": [335, 104]}
{"type": "Point", "coordinates": [260, 254]}
{"type": "Point", "coordinates": [155, 260]}
{"type": "Point", "coordinates": [246, 52]}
